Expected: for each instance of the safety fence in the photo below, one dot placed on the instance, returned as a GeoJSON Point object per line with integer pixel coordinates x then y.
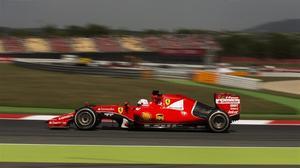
{"type": "Point", "coordinates": [202, 76]}
{"type": "Point", "coordinates": [112, 72]}
{"type": "Point", "coordinates": [171, 73]}
{"type": "Point", "coordinates": [226, 80]}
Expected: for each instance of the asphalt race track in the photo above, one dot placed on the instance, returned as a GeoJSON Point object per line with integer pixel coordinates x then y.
{"type": "Point", "coordinates": [12, 131]}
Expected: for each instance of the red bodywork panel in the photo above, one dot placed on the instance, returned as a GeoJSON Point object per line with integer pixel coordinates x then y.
{"type": "Point", "coordinates": [172, 109]}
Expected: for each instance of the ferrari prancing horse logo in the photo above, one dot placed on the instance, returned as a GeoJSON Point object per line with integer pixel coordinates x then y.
{"type": "Point", "coordinates": [167, 101]}
{"type": "Point", "coordinates": [120, 110]}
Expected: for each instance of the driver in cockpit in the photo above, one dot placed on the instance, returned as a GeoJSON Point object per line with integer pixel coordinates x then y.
{"type": "Point", "coordinates": [156, 97]}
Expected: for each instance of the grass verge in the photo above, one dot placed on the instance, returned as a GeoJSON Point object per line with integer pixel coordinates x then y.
{"type": "Point", "coordinates": [33, 110]}
{"type": "Point", "coordinates": [21, 87]}
{"type": "Point", "coordinates": [149, 154]}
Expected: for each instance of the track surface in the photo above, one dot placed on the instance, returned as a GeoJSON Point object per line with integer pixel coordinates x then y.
{"type": "Point", "coordinates": [12, 131]}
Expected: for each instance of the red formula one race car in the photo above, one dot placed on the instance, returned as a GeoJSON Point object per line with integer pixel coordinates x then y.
{"type": "Point", "coordinates": [163, 111]}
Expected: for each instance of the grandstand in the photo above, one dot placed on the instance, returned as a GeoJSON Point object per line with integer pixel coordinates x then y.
{"type": "Point", "coordinates": [1, 47]}
{"type": "Point", "coordinates": [166, 48]}
{"type": "Point", "coordinates": [152, 42]}
{"type": "Point", "coordinates": [132, 44]}
{"type": "Point", "coordinates": [173, 42]}
{"type": "Point", "coordinates": [12, 45]}
{"type": "Point", "coordinates": [81, 44]}
{"type": "Point", "coordinates": [59, 45]}
{"type": "Point", "coordinates": [193, 42]}
{"type": "Point", "coordinates": [108, 44]}
{"type": "Point", "coordinates": [36, 45]}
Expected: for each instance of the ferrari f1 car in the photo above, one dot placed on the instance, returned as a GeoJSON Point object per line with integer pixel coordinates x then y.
{"type": "Point", "coordinates": [163, 111]}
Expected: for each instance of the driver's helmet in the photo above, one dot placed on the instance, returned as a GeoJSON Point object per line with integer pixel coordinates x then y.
{"type": "Point", "coordinates": [142, 102]}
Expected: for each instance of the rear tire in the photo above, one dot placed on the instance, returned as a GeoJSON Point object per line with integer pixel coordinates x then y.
{"type": "Point", "coordinates": [218, 121]}
{"type": "Point", "coordinates": [85, 119]}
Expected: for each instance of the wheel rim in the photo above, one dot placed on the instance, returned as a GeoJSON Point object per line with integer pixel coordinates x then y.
{"type": "Point", "coordinates": [85, 118]}
{"type": "Point", "coordinates": [219, 121]}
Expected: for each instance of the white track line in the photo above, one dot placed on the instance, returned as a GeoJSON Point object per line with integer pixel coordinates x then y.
{"type": "Point", "coordinates": [252, 122]}
{"type": "Point", "coordinates": [39, 117]}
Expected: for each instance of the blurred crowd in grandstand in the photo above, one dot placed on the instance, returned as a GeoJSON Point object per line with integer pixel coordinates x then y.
{"type": "Point", "coordinates": [165, 43]}
{"type": "Point", "coordinates": [96, 38]}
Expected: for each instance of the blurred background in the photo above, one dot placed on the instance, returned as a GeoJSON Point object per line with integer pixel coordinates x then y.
{"type": "Point", "coordinates": [55, 55]}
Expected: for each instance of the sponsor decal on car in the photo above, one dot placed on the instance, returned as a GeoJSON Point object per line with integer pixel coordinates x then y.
{"type": "Point", "coordinates": [108, 114]}
{"type": "Point", "coordinates": [105, 109]}
{"type": "Point", "coordinates": [160, 117]}
{"type": "Point", "coordinates": [146, 116]}
{"type": "Point", "coordinates": [120, 110]}
{"type": "Point", "coordinates": [228, 100]}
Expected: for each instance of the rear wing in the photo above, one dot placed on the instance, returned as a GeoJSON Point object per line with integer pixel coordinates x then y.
{"type": "Point", "coordinates": [228, 103]}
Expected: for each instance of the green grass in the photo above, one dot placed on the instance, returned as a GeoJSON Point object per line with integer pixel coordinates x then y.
{"type": "Point", "coordinates": [21, 87]}
{"type": "Point", "coordinates": [283, 94]}
{"type": "Point", "coordinates": [33, 110]}
{"type": "Point", "coordinates": [150, 154]}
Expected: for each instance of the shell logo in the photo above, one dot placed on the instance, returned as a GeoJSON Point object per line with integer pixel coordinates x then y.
{"type": "Point", "coordinates": [120, 110]}
{"type": "Point", "coordinates": [167, 101]}
{"type": "Point", "coordinates": [160, 117]}
{"type": "Point", "coordinates": [146, 116]}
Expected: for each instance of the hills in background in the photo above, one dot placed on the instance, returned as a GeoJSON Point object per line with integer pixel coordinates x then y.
{"type": "Point", "coordinates": [283, 26]}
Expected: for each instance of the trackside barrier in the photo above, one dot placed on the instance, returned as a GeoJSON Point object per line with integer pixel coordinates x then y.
{"type": "Point", "coordinates": [113, 72]}
{"type": "Point", "coordinates": [146, 74]}
{"type": "Point", "coordinates": [239, 82]}
{"type": "Point", "coordinates": [206, 77]}
{"type": "Point", "coordinates": [226, 80]}
{"type": "Point", "coordinates": [239, 73]}
{"type": "Point", "coordinates": [169, 73]}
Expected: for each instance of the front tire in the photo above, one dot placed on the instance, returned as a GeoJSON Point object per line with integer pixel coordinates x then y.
{"type": "Point", "coordinates": [218, 121]}
{"type": "Point", "coordinates": [85, 119]}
